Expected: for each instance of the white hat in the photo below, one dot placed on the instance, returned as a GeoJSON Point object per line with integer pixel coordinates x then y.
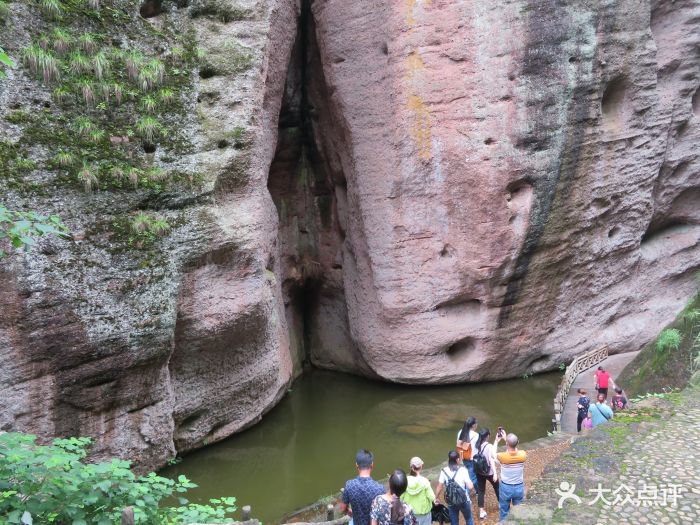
{"type": "Point", "coordinates": [416, 462]}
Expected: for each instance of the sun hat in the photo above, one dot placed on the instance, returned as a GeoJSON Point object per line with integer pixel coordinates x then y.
{"type": "Point", "coordinates": [416, 462]}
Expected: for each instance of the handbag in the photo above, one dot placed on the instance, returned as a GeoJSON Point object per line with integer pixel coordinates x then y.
{"type": "Point", "coordinates": [465, 452]}
{"type": "Point", "coordinates": [440, 513]}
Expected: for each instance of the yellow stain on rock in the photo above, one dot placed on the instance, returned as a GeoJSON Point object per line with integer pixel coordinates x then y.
{"type": "Point", "coordinates": [414, 62]}
{"type": "Point", "coordinates": [410, 6]}
{"type": "Point", "coordinates": [410, 10]}
{"type": "Point", "coordinates": [420, 128]}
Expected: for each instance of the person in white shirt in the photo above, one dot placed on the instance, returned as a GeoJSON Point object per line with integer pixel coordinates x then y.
{"type": "Point", "coordinates": [454, 472]}
{"type": "Point", "coordinates": [466, 443]}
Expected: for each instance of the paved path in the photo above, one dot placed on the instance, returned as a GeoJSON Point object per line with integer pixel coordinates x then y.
{"type": "Point", "coordinates": [613, 364]}
{"type": "Point", "coordinates": [639, 469]}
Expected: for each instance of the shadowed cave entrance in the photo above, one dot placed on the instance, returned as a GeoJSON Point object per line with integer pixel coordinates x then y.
{"type": "Point", "coordinates": [308, 188]}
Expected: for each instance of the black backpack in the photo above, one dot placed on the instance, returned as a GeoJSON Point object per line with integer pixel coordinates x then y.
{"type": "Point", "coordinates": [481, 464]}
{"type": "Point", "coordinates": [454, 492]}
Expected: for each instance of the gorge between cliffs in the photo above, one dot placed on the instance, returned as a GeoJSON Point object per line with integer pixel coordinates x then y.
{"type": "Point", "coordinates": [413, 191]}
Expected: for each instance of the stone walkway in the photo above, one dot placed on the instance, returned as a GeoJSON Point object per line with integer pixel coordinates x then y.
{"type": "Point", "coordinates": [641, 468]}
{"type": "Point", "coordinates": [613, 364]}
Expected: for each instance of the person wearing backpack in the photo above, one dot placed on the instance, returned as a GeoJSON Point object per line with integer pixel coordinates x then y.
{"type": "Point", "coordinates": [483, 465]}
{"type": "Point", "coordinates": [582, 406]}
{"type": "Point", "coordinates": [618, 401]}
{"type": "Point", "coordinates": [455, 482]}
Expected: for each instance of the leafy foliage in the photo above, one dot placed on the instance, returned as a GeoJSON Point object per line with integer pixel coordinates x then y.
{"type": "Point", "coordinates": [21, 228]}
{"type": "Point", "coordinates": [53, 484]}
{"type": "Point", "coordinates": [5, 61]}
{"type": "Point", "coordinates": [670, 338]}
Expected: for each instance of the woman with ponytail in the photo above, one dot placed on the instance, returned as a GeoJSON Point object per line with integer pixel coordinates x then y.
{"type": "Point", "coordinates": [488, 451]}
{"type": "Point", "coordinates": [388, 509]}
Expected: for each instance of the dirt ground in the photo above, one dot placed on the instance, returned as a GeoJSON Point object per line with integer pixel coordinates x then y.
{"type": "Point", "coordinates": [537, 460]}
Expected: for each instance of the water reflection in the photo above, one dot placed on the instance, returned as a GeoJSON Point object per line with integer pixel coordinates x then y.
{"type": "Point", "coordinates": [304, 448]}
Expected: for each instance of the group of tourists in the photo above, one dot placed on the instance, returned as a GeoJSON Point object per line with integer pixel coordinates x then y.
{"type": "Point", "coordinates": [410, 499]}
{"type": "Point", "coordinates": [590, 416]}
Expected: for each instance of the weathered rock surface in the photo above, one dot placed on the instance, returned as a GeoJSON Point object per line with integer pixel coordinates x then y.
{"type": "Point", "coordinates": [519, 178]}
{"type": "Point", "coordinates": [157, 351]}
{"type": "Point", "coordinates": [464, 191]}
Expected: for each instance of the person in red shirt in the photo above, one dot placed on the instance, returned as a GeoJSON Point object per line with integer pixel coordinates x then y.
{"type": "Point", "coordinates": [602, 381]}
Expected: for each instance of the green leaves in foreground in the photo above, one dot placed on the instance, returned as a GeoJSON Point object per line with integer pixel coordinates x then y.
{"type": "Point", "coordinates": [22, 227]}
{"type": "Point", "coordinates": [53, 484]}
{"type": "Point", "coordinates": [5, 61]}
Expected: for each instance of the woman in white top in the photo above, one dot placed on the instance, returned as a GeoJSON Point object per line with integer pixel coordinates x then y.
{"type": "Point", "coordinates": [487, 450]}
{"type": "Point", "coordinates": [466, 441]}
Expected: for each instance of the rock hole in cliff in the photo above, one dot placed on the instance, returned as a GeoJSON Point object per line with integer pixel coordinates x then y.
{"type": "Point", "coordinates": [462, 349]}
{"type": "Point", "coordinates": [222, 144]}
{"type": "Point", "coordinates": [489, 141]}
{"type": "Point", "coordinates": [667, 238]}
{"type": "Point", "coordinates": [615, 104]}
{"type": "Point", "coordinates": [151, 8]}
{"type": "Point", "coordinates": [538, 363]}
{"type": "Point", "coordinates": [447, 251]}
{"type": "Point", "coordinates": [600, 203]}
{"type": "Point", "coordinates": [661, 229]}
{"type": "Point", "coordinates": [696, 103]}
{"type": "Point", "coordinates": [148, 147]}
{"type": "Point", "coordinates": [190, 420]}
{"type": "Point", "coordinates": [466, 306]}
{"type": "Point", "coordinates": [613, 232]}
{"type": "Point", "coordinates": [207, 71]}
{"type": "Point", "coordinates": [385, 48]}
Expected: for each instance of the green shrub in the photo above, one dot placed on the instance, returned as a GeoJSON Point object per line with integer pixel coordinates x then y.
{"type": "Point", "coordinates": [148, 127]}
{"type": "Point", "coordinates": [64, 159]}
{"type": "Point", "coordinates": [54, 484]}
{"type": "Point", "coordinates": [20, 228]}
{"type": "Point", "coordinates": [52, 8]}
{"type": "Point", "coordinates": [145, 228]}
{"type": "Point", "coordinates": [17, 117]}
{"type": "Point", "coordinates": [5, 61]}
{"type": "Point", "coordinates": [40, 61]}
{"type": "Point", "coordinates": [61, 40]}
{"type": "Point", "coordinates": [4, 10]}
{"type": "Point", "coordinates": [88, 177]}
{"type": "Point", "coordinates": [670, 338]}
{"type": "Point", "coordinates": [691, 316]}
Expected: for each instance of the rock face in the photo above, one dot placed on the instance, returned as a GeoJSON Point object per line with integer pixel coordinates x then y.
{"type": "Point", "coordinates": [420, 191]}
{"type": "Point", "coordinates": [519, 179]}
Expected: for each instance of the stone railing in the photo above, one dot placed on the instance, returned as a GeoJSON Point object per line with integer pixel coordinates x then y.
{"type": "Point", "coordinates": [578, 365]}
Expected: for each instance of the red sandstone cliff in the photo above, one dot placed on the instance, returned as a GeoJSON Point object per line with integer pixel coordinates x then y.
{"type": "Point", "coordinates": [463, 191]}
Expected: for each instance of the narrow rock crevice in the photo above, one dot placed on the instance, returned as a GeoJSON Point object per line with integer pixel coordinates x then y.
{"type": "Point", "coordinates": [310, 195]}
